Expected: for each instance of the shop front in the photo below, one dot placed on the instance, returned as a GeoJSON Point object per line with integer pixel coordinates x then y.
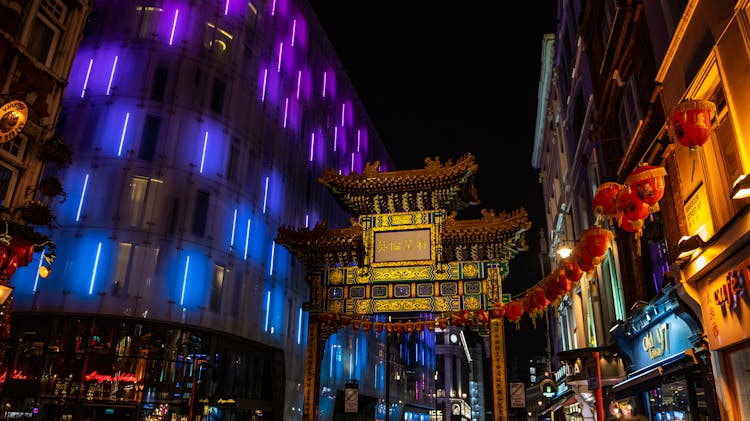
{"type": "Point", "coordinates": [665, 379]}
{"type": "Point", "coordinates": [725, 304]}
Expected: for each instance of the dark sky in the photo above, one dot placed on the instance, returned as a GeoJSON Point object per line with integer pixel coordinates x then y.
{"type": "Point", "coordinates": [449, 78]}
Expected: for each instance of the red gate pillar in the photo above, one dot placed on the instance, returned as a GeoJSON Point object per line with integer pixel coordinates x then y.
{"type": "Point", "coordinates": [312, 369]}
{"type": "Point", "coordinates": [499, 378]}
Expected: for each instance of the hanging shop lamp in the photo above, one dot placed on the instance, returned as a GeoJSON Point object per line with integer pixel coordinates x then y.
{"type": "Point", "coordinates": [690, 122]}
{"type": "Point", "coordinates": [647, 182]}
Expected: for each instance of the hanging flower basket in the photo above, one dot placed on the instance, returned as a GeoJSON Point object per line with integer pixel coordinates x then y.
{"type": "Point", "coordinates": [52, 187]}
{"type": "Point", "coordinates": [54, 150]}
{"type": "Point", "coordinates": [35, 213]}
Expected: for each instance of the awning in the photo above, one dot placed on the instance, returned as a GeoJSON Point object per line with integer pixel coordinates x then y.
{"type": "Point", "coordinates": [664, 367]}
{"type": "Point", "coordinates": [567, 398]}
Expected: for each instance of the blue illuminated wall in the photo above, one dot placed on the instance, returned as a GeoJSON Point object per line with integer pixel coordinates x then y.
{"type": "Point", "coordinates": [198, 129]}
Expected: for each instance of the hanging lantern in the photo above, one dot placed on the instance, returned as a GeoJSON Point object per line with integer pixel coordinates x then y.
{"type": "Point", "coordinates": [571, 270]}
{"type": "Point", "coordinates": [631, 207]}
{"type": "Point", "coordinates": [514, 311]}
{"type": "Point", "coordinates": [690, 122]}
{"type": "Point", "coordinates": [483, 316]}
{"type": "Point", "coordinates": [605, 199]}
{"type": "Point", "coordinates": [564, 284]}
{"type": "Point", "coordinates": [498, 310]}
{"type": "Point", "coordinates": [366, 325]}
{"type": "Point", "coordinates": [585, 260]}
{"type": "Point", "coordinates": [551, 286]}
{"type": "Point", "coordinates": [596, 240]}
{"type": "Point", "coordinates": [430, 325]}
{"type": "Point", "coordinates": [647, 182]}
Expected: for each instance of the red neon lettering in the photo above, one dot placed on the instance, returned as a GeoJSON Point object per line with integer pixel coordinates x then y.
{"type": "Point", "coordinates": [125, 377]}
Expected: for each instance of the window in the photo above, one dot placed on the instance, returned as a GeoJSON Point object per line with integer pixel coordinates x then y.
{"type": "Point", "coordinates": [148, 22]}
{"type": "Point", "coordinates": [43, 38]}
{"type": "Point", "coordinates": [217, 287]}
{"type": "Point", "coordinates": [200, 213]}
{"type": "Point", "coordinates": [630, 113]}
{"type": "Point", "coordinates": [159, 84]}
{"type": "Point", "coordinates": [15, 146]}
{"type": "Point", "coordinates": [135, 267]}
{"type": "Point", "coordinates": [150, 134]}
{"type": "Point", "coordinates": [233, 163]}
{"type": "Point", "coordinates": [217, 96]}
{"type": "Point", "coordinates": [8, 176]}
{"type": "Point", "coordinates": [143, 199]}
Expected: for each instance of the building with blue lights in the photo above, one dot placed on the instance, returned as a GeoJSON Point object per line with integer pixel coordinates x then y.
{"type": "Point", "coordinates": [198, 128]}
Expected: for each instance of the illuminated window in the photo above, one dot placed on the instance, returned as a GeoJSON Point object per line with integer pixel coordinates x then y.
{"type": "Point", "coordinates": [134, 269]}
{"type": "Point", "coordinates": [217, 287]}
{"type": "Point", "coordinates": [143, 196]}
{"type": "Point", "coordinates": [148, 22]}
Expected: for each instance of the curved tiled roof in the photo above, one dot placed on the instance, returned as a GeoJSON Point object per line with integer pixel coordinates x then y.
{"type": "Point", "coordinates": [448, 186]}
{"type": "Point", "coordinates": [493, 237]}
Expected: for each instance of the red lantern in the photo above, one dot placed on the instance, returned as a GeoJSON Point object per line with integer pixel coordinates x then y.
{"type": "Point", "coordinates": [483, 316]}
{"type": "Point", "coordinates": [564, 284]}
{"type": "Point", "coordinates": [430, 325]}
{"type": "Point", "coordinates": [647, 182]}
{"type": "Point", "coordinates": [596, 240]}
{"type": "Point", "coordinates": [585, 260]}
{"type": "Point", "coordinates": [571, 270]}
{"type": "Point", "coordinates": [513, 311]}
{"type": "Point", "coordinates": [690, 122]}
{"type": "Point", "coordinates": [631, 207]}
{"type": "Point", "coordinates": [498, 310]}
{"type": "Point", "coordinates": [605, 199]}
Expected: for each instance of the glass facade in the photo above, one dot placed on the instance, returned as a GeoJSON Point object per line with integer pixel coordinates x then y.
{"type": "Point", "coordinates": [124, 369]}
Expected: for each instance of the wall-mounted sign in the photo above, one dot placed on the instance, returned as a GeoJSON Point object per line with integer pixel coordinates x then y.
{"type": "Point", "coordinates": [402, 245]}
{"type": "Point", "coordinates": [13, 116]}
{"type": "Point", "coordinates": [724, 302]}
{"type": "Point", "coordinates": [548, 387]}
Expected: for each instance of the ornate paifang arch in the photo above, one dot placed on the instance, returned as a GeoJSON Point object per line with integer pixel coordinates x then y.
{"type": "Point", "coordinates": [404, 253]}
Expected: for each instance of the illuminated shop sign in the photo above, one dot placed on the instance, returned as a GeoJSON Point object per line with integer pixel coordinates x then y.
{"type": "Point", "coordinates": [124, 377]}
{"type": "Point", "coordinates": [656, 341]}
{"type": "Point", "coordinates": [666, 337]}
{"type": "Point", "coordinates": [15, 375]}
{"type": "Point", "coordinates": [724, 303]}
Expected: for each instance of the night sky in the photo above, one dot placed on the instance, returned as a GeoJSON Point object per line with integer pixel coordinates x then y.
{"type": "Point", "coordinates": [445, 79]}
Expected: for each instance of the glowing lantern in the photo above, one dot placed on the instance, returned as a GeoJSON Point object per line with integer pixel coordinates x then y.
{"type": "Point", "coordinates": [605, 199]}
{"type": "Point", "coordinates": [585, 260]}
{"type": "Point", "coordinates": [498, 310]}
{"type": "Point", "coordinates": [552, 286]}
{"type": "Point", "coordinates": [571, 270]}
{"type": "Point", "coordinates": [690, 122]}
{"type": "Point", "coordinates": [647, 182]}
{"type": "Point", "coordinates": [483, 316]}
{"type": "Point", "coordinates": [514, 311]}
{"type": "Point", "coordinates": [596, 240]}
{"type": "Point", "coordinates": [564, 283]}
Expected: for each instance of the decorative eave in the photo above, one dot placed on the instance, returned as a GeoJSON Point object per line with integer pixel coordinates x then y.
{"type": "Point", "coordinates": [322, 247]}
{"type": "Point", "coordinates": [448, 186]}
{"type": "Point", "coordinates": [491, 237]}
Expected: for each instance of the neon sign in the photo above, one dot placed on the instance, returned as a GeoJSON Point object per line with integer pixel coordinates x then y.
{"type": "Point", "coordinates": [15, 375]}
{"type": "Point", "coordinates": [124, 377]}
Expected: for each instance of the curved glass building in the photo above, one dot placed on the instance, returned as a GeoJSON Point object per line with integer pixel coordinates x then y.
{"type": "Point", "coordinates": [198, 128]}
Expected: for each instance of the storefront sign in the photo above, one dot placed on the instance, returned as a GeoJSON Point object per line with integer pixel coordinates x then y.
{"type": "Point", "coordinates": [698, 213]}
{"type": "Point", "coordinates": [548, 388]}
{"type": "Point", "coordinates": [13, 117]}
{"type": "Point", "coordinates": [664, 338]}
{"type": "Point", "coordinates": [724, 304]}
{"type": "Point", "coordinates": [124, 377]}
{"type": "Point", "coordinates": [656, 341]}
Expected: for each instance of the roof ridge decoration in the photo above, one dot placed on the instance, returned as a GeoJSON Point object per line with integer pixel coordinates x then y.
{"type": "Point", "coordinates": [448, 185]}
